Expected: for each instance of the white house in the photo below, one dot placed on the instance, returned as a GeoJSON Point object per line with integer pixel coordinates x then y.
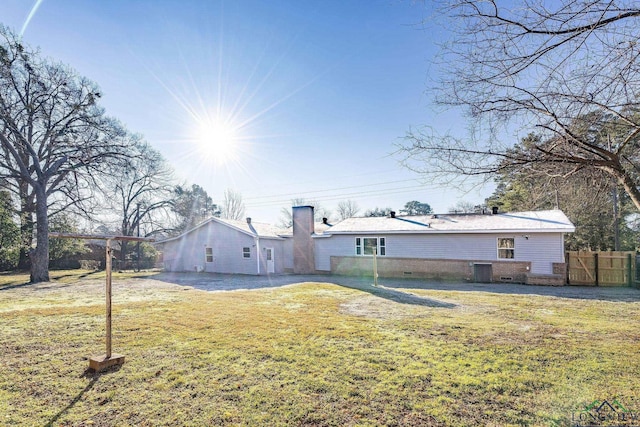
{"type": "Point", "coordinates": [521, 247]}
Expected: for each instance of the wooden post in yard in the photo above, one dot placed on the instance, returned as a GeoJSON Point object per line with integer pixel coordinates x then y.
{"type": "Point", "coordinates": [375, 267]}
{"type": "Point", "coordinates": [108, 298]}
{"type": "Point", "coordinates": [102, 362]}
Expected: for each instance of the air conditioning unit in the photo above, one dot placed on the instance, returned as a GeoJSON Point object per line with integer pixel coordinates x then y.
{"type": "Point", "coordinates": [198, 268]}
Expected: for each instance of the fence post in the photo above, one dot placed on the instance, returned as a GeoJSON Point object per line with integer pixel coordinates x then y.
{"type": "Point", "coordinates": [629, 270]}
{"type": "Point", "coordinates": [596, 270]}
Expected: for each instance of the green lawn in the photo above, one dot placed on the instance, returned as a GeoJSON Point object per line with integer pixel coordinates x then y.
{"type": "Point", "coordinates": [309, 354]}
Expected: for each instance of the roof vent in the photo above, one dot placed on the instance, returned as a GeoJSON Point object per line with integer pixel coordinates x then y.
{"type": "Point", "coordinates": [392, 214]}
{"type": "Point", "coordinates": [248, 220]}
{"type": "Point", "coordinates": [494, 210]}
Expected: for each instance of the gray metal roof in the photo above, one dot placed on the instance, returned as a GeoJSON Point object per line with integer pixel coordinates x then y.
{"type": "Point", "coordinates": [261, 229]}
{"type": "Point", "coordinates": [529, 222]}
{"type": "Point", "coordinates": [520, 222]}
{"type": "Point", "coordinates": [318, 228]}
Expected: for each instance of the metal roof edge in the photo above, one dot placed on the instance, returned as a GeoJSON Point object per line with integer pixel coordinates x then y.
{"type": "Point", "coordinates": [321, 235]}
{"type": "Point", "coordinates": [435, 231]}
{"type": "Point", "coordinates": [219, 221]}
{"type": "Point", "coordinates": [184, 233]}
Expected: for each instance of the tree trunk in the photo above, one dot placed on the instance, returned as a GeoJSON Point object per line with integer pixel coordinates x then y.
{"type": "Point", "coordinates": [123, 253]}
{"type": "Point", "coordinates": [40, 255]}
{"type": "Point", "coordinates": [629, 186]}
{"type": "Point", "coordinates": [26, 227]}
{"type": "Point", "coordinates": [24, 262]}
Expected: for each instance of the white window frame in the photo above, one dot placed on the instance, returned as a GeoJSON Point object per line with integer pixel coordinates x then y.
{"type": "Point", "coordinates": [381, 246]}
{"type": "Point", "coordinates": [208, 254]}
{"type": "Point", "coordinates": [506, 249]}
{"type": "Point", "coordinates": [246, 254]}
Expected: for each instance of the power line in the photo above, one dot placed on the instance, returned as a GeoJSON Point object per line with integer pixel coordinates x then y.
{"type": "Point", "coordinates": [346, 178]}
{"type": "Point", "coordinates": [342, 195]}
{"type": "Point", "coordinates": [310, 193]}
{"type": "Point", "coordinates": [329, 190]}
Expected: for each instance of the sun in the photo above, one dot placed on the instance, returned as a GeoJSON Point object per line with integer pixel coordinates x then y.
{"type": "Point", "coordinates": [217, 141]}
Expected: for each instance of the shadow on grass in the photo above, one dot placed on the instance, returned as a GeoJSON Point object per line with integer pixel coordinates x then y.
{"type": "Point", "coordinates": [598, 293]}
{"type": "Point", "coordinates": [402, 297]}
{"type": "Point", "coordinates": [232, 282]}
{"type": "Point", "coordinates": [14, 286]}
{"type": "Point", "coordinates": [88, 373]}
{"type": "Point", "coordinates": [54, 279]}
{"type": "Point", "coordinates": [396, 288]}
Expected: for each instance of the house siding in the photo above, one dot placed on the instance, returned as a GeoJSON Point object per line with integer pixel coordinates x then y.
{"type": "Point", "coordinates": [287, 251]}
{"type": "Point", "coordinates": [335, 245]}
{"type": "Point", "coordinates": [468, 251]}
{"type": "Point", "coordinates": [278, 255]}
{"type": "Point", "coordinates": [227, 246]}
{"type": "Point", "coordinates": [534, 253]}
{"type": "Point", "coordinates": [188, 252]}
{"type": "Point", "coordinates": [543, 250]}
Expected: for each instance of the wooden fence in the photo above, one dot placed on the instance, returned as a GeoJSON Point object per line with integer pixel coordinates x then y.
{"type": "Point", "coordinates": [601, 268]}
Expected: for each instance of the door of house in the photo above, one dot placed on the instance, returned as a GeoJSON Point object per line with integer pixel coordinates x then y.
{"type": "Point", "coordinates": [271, 264]}
{"type": "Point", "coordinates": [482, 273]}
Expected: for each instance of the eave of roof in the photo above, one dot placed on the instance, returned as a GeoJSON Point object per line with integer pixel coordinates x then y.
{"type": "Point", "coordinates": [552, 221]}
{"type": "Point", "coordinates": [432, 231]}
{"type": "Point", "coordinates": [231, 224]}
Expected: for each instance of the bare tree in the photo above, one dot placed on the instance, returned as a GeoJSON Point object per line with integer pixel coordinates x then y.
{"type": "Point", "coordinates": [140, 191]}
{"type": "Point", "coordinates": [52, 130]}
{"type": "Point", "coordinates": [232, 206]}
{"type": "Point", "coordinates": [347, 209]}
{"type": "Point", "coordinates": [378, 211]}
{"type": "Point", "coordinates": [568, 70]}
{"type": "Point", "coordinates": [464, 207]}
{"type": "Point", "coordinates": [589, 197]}
{"type": "Point", "coordinates": [319, 211]}
{"type": "Point", "coordinates": [191, 205]}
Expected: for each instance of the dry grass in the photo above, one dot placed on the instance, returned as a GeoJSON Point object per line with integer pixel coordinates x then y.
{"type": "Point", "coordinates": [309, 354]}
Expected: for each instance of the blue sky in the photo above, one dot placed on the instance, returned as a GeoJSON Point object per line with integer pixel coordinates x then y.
{"type": "Point", "coordinates": [313, 95]}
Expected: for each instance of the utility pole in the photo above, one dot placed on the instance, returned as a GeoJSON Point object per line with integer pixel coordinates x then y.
{"type": "Point", "coordinates": [138, 248]}
{"type": "Point", "coordinates": [616, 219]}
{"type": "Point", "coordinates": [616, 214]}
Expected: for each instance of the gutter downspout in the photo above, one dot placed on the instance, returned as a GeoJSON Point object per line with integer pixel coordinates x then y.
{"type": "Point", "coordinates": [258, 253]}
